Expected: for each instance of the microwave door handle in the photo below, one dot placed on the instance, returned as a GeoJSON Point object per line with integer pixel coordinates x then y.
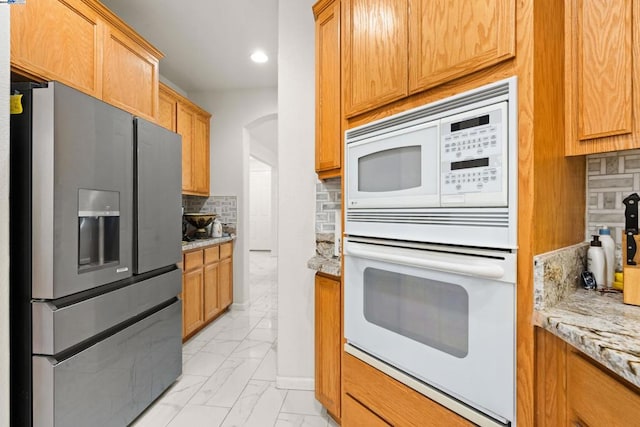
{"type": "Point", "coordinates": [488, 271]}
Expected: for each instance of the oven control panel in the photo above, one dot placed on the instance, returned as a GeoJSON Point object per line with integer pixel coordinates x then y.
{"type": "Point", "coordinates": [473, 155]}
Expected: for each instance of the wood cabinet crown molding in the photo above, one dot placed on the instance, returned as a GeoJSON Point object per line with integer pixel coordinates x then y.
{"type": "Point", "coordinates": [184, 100]}
{"type": "Point", "coordinates": [321, 5]}
{"type": "Point", "coordinates": [114, 20]}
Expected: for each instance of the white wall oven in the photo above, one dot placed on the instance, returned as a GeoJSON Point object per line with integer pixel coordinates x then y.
{"type": "Point", "coordinates": [443, 315]}
{"type": "Point", "coordinates": [430, 250]}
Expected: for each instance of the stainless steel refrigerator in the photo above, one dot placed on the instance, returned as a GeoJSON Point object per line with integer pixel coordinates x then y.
{"type": "Point", "coordinates": [95, 214]}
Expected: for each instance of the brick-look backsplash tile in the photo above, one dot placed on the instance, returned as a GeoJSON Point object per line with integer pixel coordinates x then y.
{"type": "Point", "coordinates": [226, 207]}
{"type": "Point", "coordinates": [328, 201]}
{"type": "Point", "coordinates": [610, 178]}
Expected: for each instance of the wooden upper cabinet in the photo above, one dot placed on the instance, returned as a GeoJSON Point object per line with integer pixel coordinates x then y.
{"type": "Point", "coordinates": [167, 109]}
{"type": "Point", "coordinates": [180, 115]}
{"type": "Point", "coordinates": [200, 153]}
{"type": "Point", "coordinates": [130, 75]}
{"type": "Point", "coordinates": [57, 40]}
{"type": "Point", "coordinates": [328, 100]}
{"type": "Point", "coordinates": [83, 44]}
{"type": "Point", "coordinates": [374, 52]}
{"type": "Point", "coordinates": [185, 126]}
{"type": "Point", "coordinates": [394, 48]}
{"type": "Point", "coordinates": [453, 38]}
{"type": "Point", "coordinates": [602, 75]}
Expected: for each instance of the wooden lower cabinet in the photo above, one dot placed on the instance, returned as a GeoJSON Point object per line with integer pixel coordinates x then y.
{"type": "Point", "coordinates": [390, 400]}
{"type": "Point", "coordinates": [574, 390]}
{"type": "Point", "coordinates": [192, 318]}
{"type": "Point", "coordinates": [226, 282]}
{"type": "Point", "coordinates": [207, 286]}
{"type": "Point", "coordinates": [328, 342]}
{"type": "Point", "coordinates": [357, 415]}
{"type": "Point", "coordinates": [211, 291]}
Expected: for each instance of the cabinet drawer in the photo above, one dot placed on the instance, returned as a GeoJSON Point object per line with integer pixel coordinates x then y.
{"type": "Point", "coordinates": [211, 254]}
{"type": "Point", "coordinates": [392, 400]}
{"type": "Point", "coordinates": [356, 415]}
{"type": "Point", "coordinates": [595, 398]}
{"type": "Point", "coordinates": [225, 250]}
{"type": "Point", "coordinates": [192, 260]}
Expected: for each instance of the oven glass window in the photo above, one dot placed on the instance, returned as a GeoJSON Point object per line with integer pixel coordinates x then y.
{"type": "Point", "coordinates": [390, 170]}
{"type": "Point", "coordinates": [428, 311]}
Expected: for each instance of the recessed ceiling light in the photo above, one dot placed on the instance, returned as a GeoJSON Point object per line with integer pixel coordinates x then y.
{"type": "Point", "coordinates": [259, 56]}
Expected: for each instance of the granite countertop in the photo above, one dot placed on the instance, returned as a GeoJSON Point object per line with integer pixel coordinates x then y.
{"type": "Point", "coordinates": [324, 261]}
{"type": "Point", "coordinates": [201, 243]}
{"type": "Point", "coordinates": [325, 265]}
{"type": "Point", "coordinates": [596, 323]}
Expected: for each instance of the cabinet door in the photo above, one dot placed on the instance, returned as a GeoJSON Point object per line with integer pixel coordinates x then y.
{"type": "Point", "coordinates": [226, 282]}
{"type": "Point", "coordinates": [595, 398]}
{"type": "Point", "coordinates": [328, 114]}
{"type": "Point", "coordinates": [192, 319]}
{"type": "Point", "coordinates": [185, 125]}
{"type": "Point", "coordinates": [211, 291]}
{"type": "Point", "coordinates": [200, 153]}
{"type": "Point", "coordinates": [167, 110]}
{"type": "Point", "coordinates": [75, 32]}
{"type": "Point", "coordinates": [600, 94]}
{"type": "Point", "coordinates": [328, 338]}
{"type": "Point", "coordinates": [452, 38]}
{"type": "Point", "coordinates": [129, 75]}
{"type": "Point", "coordinates": [375, 53]}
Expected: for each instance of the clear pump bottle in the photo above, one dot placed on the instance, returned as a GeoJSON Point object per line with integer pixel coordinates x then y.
{"type": "Point", "coordinates": [608, 246]}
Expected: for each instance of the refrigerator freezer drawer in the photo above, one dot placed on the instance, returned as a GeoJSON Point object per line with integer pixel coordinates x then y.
{"type": "Point", "coordinates": [112, 382]}
{"type": "Point", "coordinates": [56, 329]}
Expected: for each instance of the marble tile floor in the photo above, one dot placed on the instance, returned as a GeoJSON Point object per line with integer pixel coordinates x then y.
{"type": "Point", "coordinates": [229, 370]}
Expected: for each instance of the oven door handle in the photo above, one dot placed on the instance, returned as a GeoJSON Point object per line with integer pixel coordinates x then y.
{"type": "Point", "coordinates": [489, 271]}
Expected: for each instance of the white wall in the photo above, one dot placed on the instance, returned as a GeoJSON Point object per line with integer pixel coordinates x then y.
{"type": "Point", "coordinates": [296, 107]}
{"type": "Point", "coordinates": [263, 143]}
{"type": "Point", "coordinates": [260, 202]}
{"type": "Point", "coordinates": [231, 112]}
{"type": "Point", "coordinates": [4, 214]}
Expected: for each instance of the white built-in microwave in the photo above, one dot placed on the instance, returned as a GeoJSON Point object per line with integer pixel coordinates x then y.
{"type": "Point", "coordinates": [438, 172]}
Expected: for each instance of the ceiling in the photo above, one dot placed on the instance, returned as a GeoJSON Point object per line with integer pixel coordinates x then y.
{"type": "Point", "coordinates": [207, 43]}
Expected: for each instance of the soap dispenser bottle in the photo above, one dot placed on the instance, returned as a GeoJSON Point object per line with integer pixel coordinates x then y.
{"type": "Point", "coordinates": [608, 246]}
{"type": "Point", "coordinates": [596, 262]}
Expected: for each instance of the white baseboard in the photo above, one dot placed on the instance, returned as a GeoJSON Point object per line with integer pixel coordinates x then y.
{"type": "Point", "coordinates": [295, 383]}
{"type": "Point", "coordinates": [243, 306]}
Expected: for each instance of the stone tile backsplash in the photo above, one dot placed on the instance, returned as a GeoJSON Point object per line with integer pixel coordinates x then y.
{"type": "Point", "coordinates": [328, 202]}
{"type": "Point", "coordinates": [610, 178]}
{"type": "Point", "coordinates": [226, 207]}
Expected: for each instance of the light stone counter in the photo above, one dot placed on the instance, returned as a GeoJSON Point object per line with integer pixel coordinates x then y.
{"type": "Point", "coordinates": [325, 265]}
{"type": "Point", "coordinates": [201, 243]}
{"type": "Point", "coordinates": [324, 261]}
{"type": "Point", "coordinates": [596, 323]}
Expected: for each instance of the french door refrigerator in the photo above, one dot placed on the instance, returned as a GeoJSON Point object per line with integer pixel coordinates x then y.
{"type": "Point", "coordinates": [95, 214]}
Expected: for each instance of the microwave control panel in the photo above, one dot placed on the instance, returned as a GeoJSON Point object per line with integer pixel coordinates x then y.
{"type": "Point", "coordinates": [473, 155]}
